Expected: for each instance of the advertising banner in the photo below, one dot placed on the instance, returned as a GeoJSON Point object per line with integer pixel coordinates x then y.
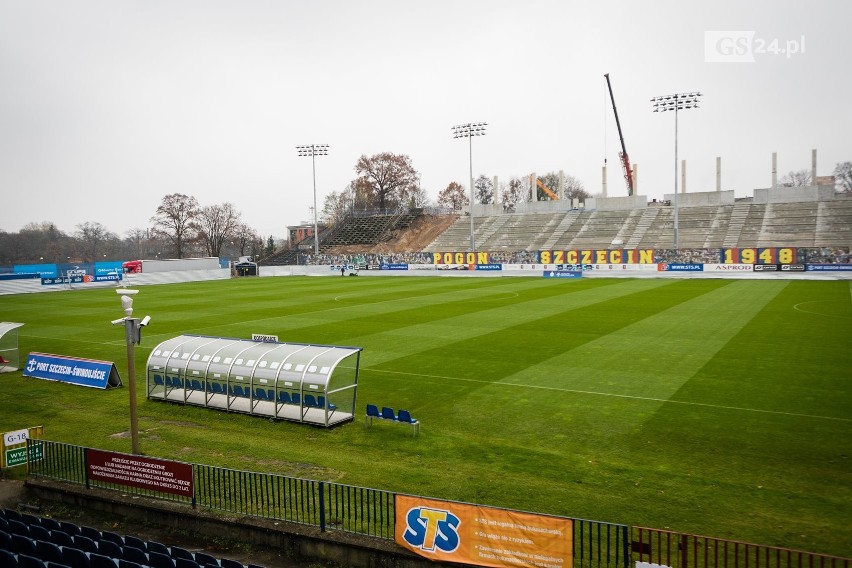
{"type": "Point", "coordinates": [678, 267]}
{"type": "Point", "coordinates": [562, 273]}
{"type": "Point", "coordinates": [490, 266]}
{"type": "Point", "coordinates": [728, 267]}
{"type": "Point", "coordinates": [84, 372]}
{"type": "Point", "coordinates": [765, 268]}
{"type": "Point", "coordinates": [830, 267]}
{"type": "Point", "coordinates": [394, 266]}
{"type": "Point", "coordinates": [597, 256]}
{"type": "Point", "coordinates": [472, 534]}
{"type": "Point", "coordinates": [141, 472]}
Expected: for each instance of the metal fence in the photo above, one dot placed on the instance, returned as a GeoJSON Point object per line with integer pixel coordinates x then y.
{"type": "Point", "coordinates": [371, 512]}
{"type": "Point", "coordinates": [681, 550]}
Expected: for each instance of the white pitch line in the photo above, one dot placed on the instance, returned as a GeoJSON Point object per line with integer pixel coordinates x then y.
{"type": "Point", "coordinates": [615, 395]}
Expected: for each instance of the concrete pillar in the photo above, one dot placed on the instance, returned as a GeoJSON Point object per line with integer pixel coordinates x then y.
{"type": "Point", "coordinates": [561, 191]}
{"type": "Point", "coordinates": [718, 173]}
{"type": "Point", "coordinates": [603, 180]}
{"type": "Point", "coordinates": [774, 170]}
{"type": "Point", "coordinates": [635, 169]}
{"type": "Point", "coordinates": [533, 189]}
{"type": "Point", "coordinates": [683, 176]}
{"type": "Point", "coordinates": [813, 167]}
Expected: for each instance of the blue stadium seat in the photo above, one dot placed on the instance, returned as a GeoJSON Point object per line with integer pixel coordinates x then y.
{"type": "Point", "coordinates": [38, 532]}
{"type": "Point", "coordinates": [48, 551]}
{"type": "Point", "coordinates": [122, 563]}
{"type": "Point", "coordinates": [69, 528]}
{"type": "Point", "coordinates": [295, 398]}
{"type": "Point", "coordinates": [372, 412]}
{"type": "Point", "coordinates": [61, 538]}
{"type": "Point", "coordinates": [158, 380]}
{"type": "Point", "coordinates": [405, 417]}
{"type": "Point", "coordinates": [5, 541]}
{"type": "Point", "coordinates": [259, 393]}
{"type": "Point", "coordinates": [134, 554]}
{"type": "Point", "coordinates": [100, 561]}
{"type": "Point", "coordinates": [205, 559]}
{"type": "Point", "coordinates": [49, 524]}
{"type": "Point", "coordinates": [154, 546]}
{"type": "Point", "coordinates": [56, 565]}
{"type": "Point", "coordinates": [17, 527]}
{"type": "Point", "coordinates": [12, 515]}
{"type": "Point", "coordinates": [228, 563]}
{"type": "Point", "coordinates": [321, 403]}
{"type": "Point", "coordinates": [109, 548]}
{"type": "Point", "coordinates": [23, 545]}
{"type": "Point", "coordinates": [178, 552]}
{"type": "Point", "coordinates": [28, 519]}
{"type": "Point", "coordinates": [388, 414]}
{"type": "Point", "coordinates": [25, 561]}
{"type": "Point", "coordinates": [135, 542]}
{"type": "Point", "coordinates": [217, 388]}
{"type": "Point", "coordinates": [310, 400]}
{"type": "Point", "coordinates": [284, 397]}
{"type": "Point", "coordinates": [74, 557]}
{"type": "Point", "coordinates": [7, 558]}
{"type": "Point", "coordinates": [112, 537]}
{"type": "Point", "coordinates": [160, 560]}
{"type": "Point", "coordinates": [186, 563]}
{"type": "Point", "coordinates": [90, 532]}
{"type": "Point", "coordinates": [84, 543]}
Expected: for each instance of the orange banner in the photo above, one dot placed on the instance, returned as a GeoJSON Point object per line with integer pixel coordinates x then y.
{"type": "Point", "coordinates": [485, 536]}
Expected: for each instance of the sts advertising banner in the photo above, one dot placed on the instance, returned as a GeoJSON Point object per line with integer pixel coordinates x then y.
{"type": "Point", "coordinates": [471, 534]}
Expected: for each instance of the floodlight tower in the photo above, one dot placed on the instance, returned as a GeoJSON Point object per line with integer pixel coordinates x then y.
{"type": "Point", "coordinates": [314, 150]}
{"type": "Point", "coordinates": [676, 102]}
{"type": "Point", "coordinates": [468, 131]}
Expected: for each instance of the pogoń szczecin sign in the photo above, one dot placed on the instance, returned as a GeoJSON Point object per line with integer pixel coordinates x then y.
{"type": "Point", "coordinates": [484, 536]}
{"type": "Point", "coordinates": [141, 472]}
{"type": "Point", "coordinates": [84, 372]}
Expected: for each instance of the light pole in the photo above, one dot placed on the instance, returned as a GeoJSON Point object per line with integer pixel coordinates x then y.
{"type": "Point", "coordinates": [468, 131]}
{"type": "Point", "coordinates": [314, 150]}
{"type": "Point", "coordinates": [132, 335]}
{"type": "Point", "coordinates": [676, 102]}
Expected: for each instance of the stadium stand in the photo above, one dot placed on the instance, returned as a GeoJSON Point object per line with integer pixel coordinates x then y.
{"type": "Point", "coordinates": [87, 547]}
{"type": "Point", "coordinates": [743, 224]}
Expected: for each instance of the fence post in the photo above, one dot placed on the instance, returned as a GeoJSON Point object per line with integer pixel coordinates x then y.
{"type": "Point", "coordinates": [684, 551]}
{"type": "Point", "coordinates": [322, 506]}
{"type": "Point", "coordinates": [194, 489]}
{"type": "Point", "coordinates": [86, 466]}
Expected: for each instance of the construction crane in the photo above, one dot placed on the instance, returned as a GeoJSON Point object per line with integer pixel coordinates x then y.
{"type": "Point", "coordinates": [625, 159]}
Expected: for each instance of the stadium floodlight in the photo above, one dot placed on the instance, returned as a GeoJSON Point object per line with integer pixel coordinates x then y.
{"type": "Point", "coordinates": [314, 150]}
{"type": "Point", "coordinates": [676, 102]}
{"type": "Point", "coordinates": [468, 131]}
{"type": "Point", "coordinates": [132, 335]}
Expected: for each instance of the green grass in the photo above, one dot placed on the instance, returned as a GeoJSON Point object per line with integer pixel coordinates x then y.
{"type": "Point", "coordinates": [717, 407]}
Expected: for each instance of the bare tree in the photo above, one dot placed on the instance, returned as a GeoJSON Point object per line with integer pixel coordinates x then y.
{"type": "Point", "coordinates": [843, 177]}
{"type": "Point", "coordinates": [175, 221]}
{"type": "Point", "coordinates": [513, 193]}
{"type": "Point", "coordinates": [390, 178]}
{"type": "Point", "coordinates": [245, 238]}
{"type": "Point", "coordinates": [336, 207]}
{"type": "Point", "coordinates": [418, 198]}
{"type": "Point", "coordinates": [797, 178]}
{"type": "Point", "coordinates": [216, 224]}
{"type": "Point", "coordinates": [453, 196]}
{"type": "Point", "coordinates": [93, 238]}
{"type": "Point", "coordinates": [483, 190]}
{"type": "Point", "coordinates": [572, 188]}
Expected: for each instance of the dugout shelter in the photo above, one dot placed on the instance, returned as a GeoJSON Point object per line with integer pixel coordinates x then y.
{"type": "Point", "coordinates": [314, 384]}
{"type": "Point", "coordinates": [10, 359]}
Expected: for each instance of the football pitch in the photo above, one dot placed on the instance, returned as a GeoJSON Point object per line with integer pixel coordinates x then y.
{"type": "Point", "coordinates": [715, 407]}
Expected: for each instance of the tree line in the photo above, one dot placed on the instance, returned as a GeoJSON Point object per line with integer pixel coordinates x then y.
{"type": "Point", "coordinates": [180, 228]}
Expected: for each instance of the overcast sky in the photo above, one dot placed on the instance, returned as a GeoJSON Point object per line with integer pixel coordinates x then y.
{"type": "Point", "coordinates": [107, 106]}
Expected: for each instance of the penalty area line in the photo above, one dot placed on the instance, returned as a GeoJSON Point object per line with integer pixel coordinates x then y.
{"type": "Point", "coordinates": [615, 395]}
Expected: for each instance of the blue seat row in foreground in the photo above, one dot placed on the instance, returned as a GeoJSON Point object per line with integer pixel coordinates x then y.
{"type": "Point", "coordinates": [30, 541]}
{"type": "Point", "coordinates": [387, 414]}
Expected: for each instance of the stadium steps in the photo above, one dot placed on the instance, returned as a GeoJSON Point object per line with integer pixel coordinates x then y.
{"type": "Point", "coordinates": [739, 214]}
{"type": "Point", "coordinates": [645, 222]}
{"type": "Point", "coordinates": [628, 228]}
{"type": "Point", "coordinates": [563, 227]}
{"type": "Point", "coordinates": [718, 228]}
